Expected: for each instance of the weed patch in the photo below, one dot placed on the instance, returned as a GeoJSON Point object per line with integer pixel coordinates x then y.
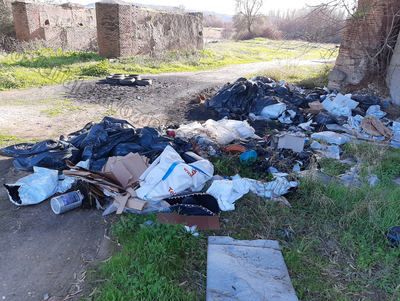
{"type": "Point", "coordinates": [156, 262]}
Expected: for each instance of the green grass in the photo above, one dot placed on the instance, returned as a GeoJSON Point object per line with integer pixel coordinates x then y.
{"type": "Point", "coordinates": [156, 263]}
{"type": "Point", "coordinates": [47, 67]}
{"type": "Point", "coordinates": [305, 76]}
{"type": "Point", "coordinates": [333, 167]}
{"type": "Point", "coordinates": [333, 240]}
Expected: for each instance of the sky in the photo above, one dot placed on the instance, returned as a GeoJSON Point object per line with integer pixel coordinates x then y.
{"type": "Point", "coordinates": [221, 6]}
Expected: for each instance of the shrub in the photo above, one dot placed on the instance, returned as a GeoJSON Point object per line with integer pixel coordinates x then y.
{"type": "Point", "coordinates": [98, 69]}
{"type": "Point", "coordinates": [7, 81]}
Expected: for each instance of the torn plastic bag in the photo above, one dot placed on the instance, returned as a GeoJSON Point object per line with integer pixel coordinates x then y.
{"type": "Point", "coordinates": [324, 118]}
{"type": "Point", "coordinates": [261, 102]}
{"type": "Point", "coordinates": [123, 149]}
{"type": "Point", "coordinates": [331, 137]}
{"type": "Point", "coordinates": [341, 105]}
{"type": "Point", "coordinates": [273, 111]}
{"type": "Point", "coordinates": [49, 154]}
{"type": "Point", "coordinates": [223, 131]}
{"type": "Point", "coordinates": [37, 187]}
{"type": "Point", "coordinates": [234, 99]}
{"type": "Point", "coordinates": [286, 117]}
{"type": "Point", "coordinates": [365, 101]}
{"type": "Point", "coordinates": [169, 175]}
{"type": "Point", "coordinates": [227, 192]}
{"type": "Point", "coordinates": [375, 111]}
{"type": "Point", "coordinates": [327, 151]}
{"type": "Point", "coordinates": [354, 123]}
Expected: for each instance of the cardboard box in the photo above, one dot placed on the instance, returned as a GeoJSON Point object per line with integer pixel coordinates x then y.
{"type": "Point", "coordinates": [126, 170]}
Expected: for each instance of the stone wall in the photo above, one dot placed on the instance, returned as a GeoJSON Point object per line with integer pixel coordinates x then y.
{"type": "Point", "coordinates": [368, 42]}
{"type": "Point", "coordinates": [67, 26]}
{"type": "Point", "coordinates": [127, 30]}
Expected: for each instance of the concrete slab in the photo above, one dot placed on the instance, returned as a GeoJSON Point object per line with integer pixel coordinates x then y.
{"type": "Point", "coordinates": [247, 270]}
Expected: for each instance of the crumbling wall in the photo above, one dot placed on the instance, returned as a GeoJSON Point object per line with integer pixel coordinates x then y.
{"type": "Point", "coordinates": [127, 30]}
{"type": "Point", "coordinates": [67, 26]}
{"type": "Point", "coordinates": [368, 42]}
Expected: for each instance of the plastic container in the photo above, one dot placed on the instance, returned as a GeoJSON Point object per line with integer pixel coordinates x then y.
{"type": "Point", "coordinates": [66, 202]}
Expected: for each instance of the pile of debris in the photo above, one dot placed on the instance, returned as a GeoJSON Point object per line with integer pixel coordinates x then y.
{"type": "Point", "coordinates": [116, 167]}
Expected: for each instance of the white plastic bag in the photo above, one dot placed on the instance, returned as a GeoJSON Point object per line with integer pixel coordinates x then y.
{"type": "Point", "coordinates": [169, 175]}
{"type": "Point", "coordinates": [375, 111]}
{"type": "Point", "coordinates": [227, 192]}
{"type": "Point", "coordinates": [35, 188]}
{"type": "Point", "coordinates": [273, 111]}
{"type": "Point", "coordinates": [341, 105]}
{"type": "Point", "coordinates": [223, 131]}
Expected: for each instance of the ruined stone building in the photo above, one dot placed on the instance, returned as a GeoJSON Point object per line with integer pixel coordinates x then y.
{"type": "Point", "coordinates": [118, 29]}
{"type": "Point", "coordinates": [368, 51]}
{"type": "Point", "coordinates": [127, 30]}
{"type": "Point", "coordinates": [67, 26]}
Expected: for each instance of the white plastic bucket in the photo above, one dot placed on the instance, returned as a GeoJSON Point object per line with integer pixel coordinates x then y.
{"type": "Point", "coordinates": [66, 202]}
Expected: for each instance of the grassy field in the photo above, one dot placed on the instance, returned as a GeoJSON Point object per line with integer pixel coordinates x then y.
{"type": "Point", "coordinates": [304, 76]}
{"type": "Point", "coordinates": [333, 240]}
{"type": "Point", "coordinates": [46, 66]}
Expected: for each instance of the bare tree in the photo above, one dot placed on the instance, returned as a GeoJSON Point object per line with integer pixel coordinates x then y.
{"type": "Point", "coordinates": [249, 10]}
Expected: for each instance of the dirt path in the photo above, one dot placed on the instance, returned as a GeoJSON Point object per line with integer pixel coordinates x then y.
{"type": "Point", "coordinates": [41, 253]}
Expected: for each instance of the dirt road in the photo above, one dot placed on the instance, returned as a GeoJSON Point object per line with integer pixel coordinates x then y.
{"type": "Point", "coordinates": [41, 253]}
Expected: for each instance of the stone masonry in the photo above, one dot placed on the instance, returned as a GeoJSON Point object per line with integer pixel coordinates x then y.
{"type": "Point", "coordinates": [67, 26]}
{"type": "Point", "coordinates": [368, 42]}
{"type": "Point", "coordinates": [125, 30]}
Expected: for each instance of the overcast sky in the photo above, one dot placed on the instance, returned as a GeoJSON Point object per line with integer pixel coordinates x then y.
{"type": "Point", "coordinates": [220, 6]}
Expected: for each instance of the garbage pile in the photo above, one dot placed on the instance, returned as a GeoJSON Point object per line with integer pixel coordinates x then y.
{"type": "Point", "coordinates": [116, 167]}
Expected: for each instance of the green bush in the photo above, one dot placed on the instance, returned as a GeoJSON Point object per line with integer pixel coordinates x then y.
{"type": "Point", "coordinates": [98, 69]}
{"type": "Point", "coordinates": [8, 81]}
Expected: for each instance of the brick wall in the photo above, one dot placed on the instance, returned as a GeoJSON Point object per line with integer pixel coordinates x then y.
{"type": "Point", "coordinates": [64, 26]}
{"type": "Point", "coordinates": [363, 56]}
{"type": "Point", "coordinates": [127, 30]}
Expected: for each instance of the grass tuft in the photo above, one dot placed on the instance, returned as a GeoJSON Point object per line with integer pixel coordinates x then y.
{"type": "Point", "coordinates": [153, 263]}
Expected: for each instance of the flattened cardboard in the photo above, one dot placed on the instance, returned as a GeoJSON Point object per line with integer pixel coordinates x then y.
{"type": "Point", "coordinates": [202, 222]}
{"type": "Point", "coordinates": [126, 170]}
{"type": "Point", "coordinates": [291, 141]}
